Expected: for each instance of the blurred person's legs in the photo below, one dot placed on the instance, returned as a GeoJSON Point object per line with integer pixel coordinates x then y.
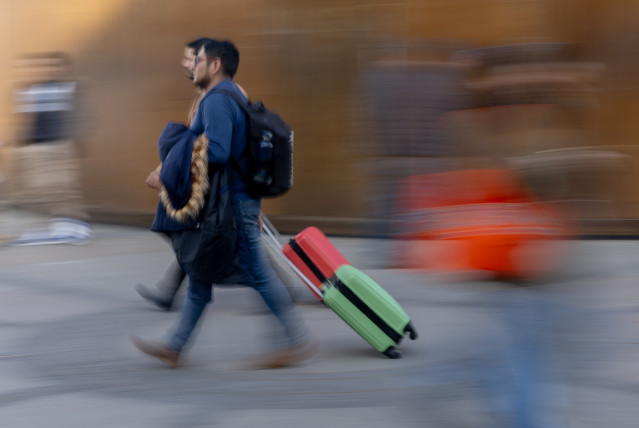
{"type": "Point", "coordinates": [198, 295]}
{"type": "Point", "coordinates": [524, 388]}
{"type": "Point", "coordinates": [294, 344]}
{"type": "Point", "coordinates": [48, 180]}
{"type": "Point", "coordinates": [166, 289]}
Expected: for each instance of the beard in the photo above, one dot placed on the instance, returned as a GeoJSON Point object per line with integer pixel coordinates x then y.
{"type": "Point", "coordinates": [202, 83]}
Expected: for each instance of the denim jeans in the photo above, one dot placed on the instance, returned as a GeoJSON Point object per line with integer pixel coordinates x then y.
{"type": "Point", "coordinates": [198, 295]}
{"type": "Point", "coordinates": [258, 274]}
{"type": "Point", "coordinates": [522, 381]}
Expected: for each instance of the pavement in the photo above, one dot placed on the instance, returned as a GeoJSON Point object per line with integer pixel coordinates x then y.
{"type": "Point", "coordinates": [66, 313]}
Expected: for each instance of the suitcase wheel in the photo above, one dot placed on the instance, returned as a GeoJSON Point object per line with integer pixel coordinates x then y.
{"type": "Point", "coordinates": [410, 329]}
{"type": "Point", "coordinates": [392, 353]}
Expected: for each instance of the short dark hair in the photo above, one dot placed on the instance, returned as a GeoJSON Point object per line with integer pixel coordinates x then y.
{"type": "Point", "coordinates": [197, 44]}
{"type": "Point", "coordinates": [226, 51]}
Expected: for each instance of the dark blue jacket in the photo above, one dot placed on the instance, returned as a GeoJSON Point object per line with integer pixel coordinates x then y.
{"type": "Point", "coordinates": [176, 148]}
{"type": "Point", "coordinates": [224, 123]}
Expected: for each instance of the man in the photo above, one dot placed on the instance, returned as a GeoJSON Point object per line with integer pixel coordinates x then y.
{"type": "Point", "coordinates": [167, 288]}
{"type": "Point", "coordinates": [223, 123]}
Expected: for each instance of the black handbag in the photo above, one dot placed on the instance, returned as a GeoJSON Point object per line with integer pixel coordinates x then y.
{"type": "Point", "coordinates": [209, 253]}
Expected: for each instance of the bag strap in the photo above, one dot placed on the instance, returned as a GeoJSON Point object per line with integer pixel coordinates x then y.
{"type": "Point", "coordinates": [236, 97]}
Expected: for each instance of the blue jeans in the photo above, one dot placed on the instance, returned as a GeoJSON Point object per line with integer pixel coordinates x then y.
{"type": "Point", "coordinates": [521, 382]}
{"type": "Point", "coordinates": [257, 273]}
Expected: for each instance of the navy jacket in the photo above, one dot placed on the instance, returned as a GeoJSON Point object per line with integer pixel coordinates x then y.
{"type": "Point", "coordinates": [224, 123]}
{"type": "Point", "coordinates": [176, 147]}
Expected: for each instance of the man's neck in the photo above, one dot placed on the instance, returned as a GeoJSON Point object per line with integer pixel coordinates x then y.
{"type": "Point", "coordinates": [214, 82]}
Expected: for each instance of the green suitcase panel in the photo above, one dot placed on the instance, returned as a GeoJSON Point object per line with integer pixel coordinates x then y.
{"type": "Point", "coordinates": [368, 309]}
{"type": "Point", "coordinates": [334, 299]}
{"type": "Point", "coordinates": [374, 296]}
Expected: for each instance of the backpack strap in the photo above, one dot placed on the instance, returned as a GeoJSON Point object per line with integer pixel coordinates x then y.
{"type": "Point", "coordinates": [236, 97]}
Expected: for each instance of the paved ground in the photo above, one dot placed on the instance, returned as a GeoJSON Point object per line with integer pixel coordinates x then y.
{"type": "Point", "coordinates": [66, 361]}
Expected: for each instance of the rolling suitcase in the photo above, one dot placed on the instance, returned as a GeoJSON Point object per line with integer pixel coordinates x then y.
{"type": "Point", "coordinates": [368, 309]}
{"type": "Point", "coordinates": [315, 256]}
{"type": "Point", "coordinates": [356, 298]}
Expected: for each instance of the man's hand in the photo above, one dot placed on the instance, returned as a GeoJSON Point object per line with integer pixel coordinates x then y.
{"type": "Point", "coordinates": [153, 180]}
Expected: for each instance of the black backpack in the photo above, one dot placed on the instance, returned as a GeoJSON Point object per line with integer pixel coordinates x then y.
{"type": "Point", "coordinates": [269, 150]}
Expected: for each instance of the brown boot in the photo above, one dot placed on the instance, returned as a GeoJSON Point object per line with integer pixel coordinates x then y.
{"type": "Point", "coordinates": [284, 357]}
{"type": "Point", "coordinates": [157, 350]}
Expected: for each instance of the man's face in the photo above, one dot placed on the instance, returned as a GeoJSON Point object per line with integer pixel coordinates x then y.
{"type": "Point", "coordinates": [188, 62]}
{"type": "Point", "coordinates": [201, 77]}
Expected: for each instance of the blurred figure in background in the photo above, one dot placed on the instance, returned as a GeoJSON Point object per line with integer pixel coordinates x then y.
{"type": "Point", "coordinates": [46, 165]}
{"type": "Point", "coordinates": [485, 212]}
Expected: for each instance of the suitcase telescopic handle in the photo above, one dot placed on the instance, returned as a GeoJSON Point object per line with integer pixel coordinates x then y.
{"type": "Point", "coordinates": [274, 239]}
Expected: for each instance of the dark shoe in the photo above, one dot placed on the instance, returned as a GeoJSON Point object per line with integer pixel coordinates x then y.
{"type": "Point", "coordinates": [154, 297]}
{"type": "Point", "coordinates": [157, 350]}
{"type": "Point", "coordinates": [285, 357]}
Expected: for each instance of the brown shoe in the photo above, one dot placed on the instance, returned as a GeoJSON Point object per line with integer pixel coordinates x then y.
{"type": "Point", "coordinates": [157, 350]}
{"type": "Point", "coordinates": [285, 357]}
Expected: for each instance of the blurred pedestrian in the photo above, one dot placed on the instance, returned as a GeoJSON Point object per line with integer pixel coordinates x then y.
{"type": "Point", "coordinates": [46, 163]}
{"type": "Point", "coordinates": [223, 123]}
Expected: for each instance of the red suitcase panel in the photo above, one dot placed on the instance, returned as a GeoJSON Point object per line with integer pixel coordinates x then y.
{"type": "Point", "coordinates": [314, 255]}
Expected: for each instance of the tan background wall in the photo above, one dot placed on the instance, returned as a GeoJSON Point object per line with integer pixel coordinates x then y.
{"type": "Point", "coordinates": [302, 59]}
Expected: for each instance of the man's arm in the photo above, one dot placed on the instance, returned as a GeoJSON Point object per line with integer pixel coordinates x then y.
{"type": "Point", "coordinates": [218, 127]}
